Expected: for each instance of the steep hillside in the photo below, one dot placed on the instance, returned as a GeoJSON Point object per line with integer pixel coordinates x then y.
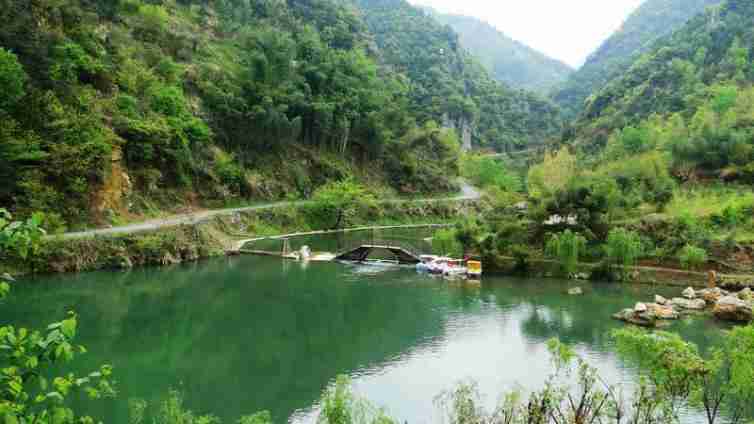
{"type": "Point", "coordinates": [450, 86]}
{"type": "Point", "coordinates": [113, 109]}
{"type": "Point", "coordinates": [650, 22]}
{"type": "Point", "coordinates": [507, 60]}
{"type": "Point", "coordinates": [681, 73]}
{"type": "Point", "coordinates": [683, 113]}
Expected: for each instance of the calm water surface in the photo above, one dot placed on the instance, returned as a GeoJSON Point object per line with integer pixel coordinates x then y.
{"type": "Point", "coordinates": [243, 334]}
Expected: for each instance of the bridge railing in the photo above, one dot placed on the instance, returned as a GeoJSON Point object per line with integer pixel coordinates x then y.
{"type": "Point", "coordinates": [355, 244]}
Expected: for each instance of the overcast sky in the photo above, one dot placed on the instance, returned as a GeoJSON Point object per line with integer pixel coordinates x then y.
{"type": "Point", "coordinates": [568, 30]}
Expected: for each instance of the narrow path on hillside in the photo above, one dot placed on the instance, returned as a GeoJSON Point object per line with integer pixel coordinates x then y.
{"type": "Point", "coordinates": [468, 192]}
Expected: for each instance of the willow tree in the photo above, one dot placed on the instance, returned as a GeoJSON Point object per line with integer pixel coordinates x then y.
{"type": "Point", "coordinates": [567, 247]}
{"type": "Point", "coordinates": [623, 248]}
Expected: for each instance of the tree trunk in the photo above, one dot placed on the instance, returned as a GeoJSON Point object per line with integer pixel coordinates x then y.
{"type": "Point", "coordinates": [346, 135]}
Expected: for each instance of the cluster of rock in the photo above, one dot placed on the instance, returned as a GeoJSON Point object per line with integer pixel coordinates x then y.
{"type": "Point", "coordinates": [724, 305]}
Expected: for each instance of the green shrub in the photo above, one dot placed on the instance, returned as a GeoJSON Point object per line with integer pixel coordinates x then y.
{"type": "Point", "coordinates": [169, 100]}
{"type": "Point", "coordinates": [12, 80]}
{"type": "Point", "coordinates": [72, 61]}
{"type": "Point", "coordinates": [341, 406]}
{"type": "Point", "coordinates": [445, 242]}
{"type": "Point", "coordinates": [692, 257]}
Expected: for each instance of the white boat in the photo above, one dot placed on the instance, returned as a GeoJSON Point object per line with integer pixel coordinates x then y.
{"type": "Point", "coordinates": [426, 263]}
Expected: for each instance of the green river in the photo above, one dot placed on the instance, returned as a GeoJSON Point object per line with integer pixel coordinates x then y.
{"type": "Point", "coordinates": [243, 334]}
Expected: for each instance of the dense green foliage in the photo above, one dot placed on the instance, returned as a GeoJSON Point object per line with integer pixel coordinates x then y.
{"type": "Point", "coordinates": [448, 85]}
{"type": "Point", "coordinates": [699, 67]}
{"type": "Point", "coordinates": [113, 107]}
{"type": "Point", "coordinates": [659, 146]}
{"type": "Point", "coordinates": [508, 60]}
{"type": "Point", "coordinates": [653, 20]}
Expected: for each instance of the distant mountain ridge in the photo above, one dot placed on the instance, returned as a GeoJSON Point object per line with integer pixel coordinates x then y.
{"type": "Point", "coordinates": [653, 20]}
{"type": "Point", "coordinates": [508, 60]}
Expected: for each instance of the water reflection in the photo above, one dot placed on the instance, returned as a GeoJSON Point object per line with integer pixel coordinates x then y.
{"type": "Point", "coordinates": [244, 334]}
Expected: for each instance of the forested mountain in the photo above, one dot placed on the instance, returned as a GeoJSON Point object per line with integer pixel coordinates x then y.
{"type": "Point", "coordinates": [508, 60]}
{"type": "Point", "coordinates": [449, 85]}
{"type": "Point", "coordinates": [690, 96]}
{"type": "Point", "coordinates": [653, 20]}
{"type": "Point", "coordinates": [114, 107]}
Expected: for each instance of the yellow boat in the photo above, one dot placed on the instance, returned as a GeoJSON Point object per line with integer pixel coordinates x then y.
{"type": "Point", "coordinates": [474, 269]}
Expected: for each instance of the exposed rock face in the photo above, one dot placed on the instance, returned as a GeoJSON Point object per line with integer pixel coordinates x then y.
{"type": "Point", "coordinates": [731, 308]}
{"type": "Point", "coordinates": [689, 293]}
{"type": "Point", "coordinates": [689, 304]}
{"type": "Point", "coordinates": [660, 300]}
{"type": "Point", "coordinates": [116, 188]}
{"type": "Point", "coordinates": [640, 308]}
{"type": "Point", "coordinates": [464, 128]}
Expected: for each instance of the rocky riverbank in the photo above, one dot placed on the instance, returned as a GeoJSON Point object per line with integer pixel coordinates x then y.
{"type": "Point", "coordinates": [722, 304]}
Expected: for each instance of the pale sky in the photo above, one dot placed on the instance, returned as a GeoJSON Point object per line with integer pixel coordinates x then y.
{"type": "Point", "coordinates": [568, 30]}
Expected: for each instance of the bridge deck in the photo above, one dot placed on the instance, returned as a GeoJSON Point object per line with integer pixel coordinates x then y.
{"type": "Point", "coordinates": [361, 253]}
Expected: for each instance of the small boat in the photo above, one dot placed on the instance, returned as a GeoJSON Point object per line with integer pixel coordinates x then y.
{"type": "Point", "coordinates": [474, 269]}
{"type": "Point", "coordinates": [454, 268]}
{"type": "Point", "coordinates": [426, 262]}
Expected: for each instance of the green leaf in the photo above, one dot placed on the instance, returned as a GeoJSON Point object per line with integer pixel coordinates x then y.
{"type": "Point", "coordinates": [11, 419]}
{"type": "Point", "coordinates": [69, 327]}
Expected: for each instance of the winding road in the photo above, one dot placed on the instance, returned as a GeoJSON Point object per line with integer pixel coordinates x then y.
{"type": "Point", "coordinates": [468, 192]}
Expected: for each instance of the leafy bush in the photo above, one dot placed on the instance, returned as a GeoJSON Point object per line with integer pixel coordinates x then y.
{"type": "Point", "coordinates": [20, 238]}
{"type": "Point", "coordinates": [445, 242]}
{"type": "Point", "coordinates": [341, 406]}
{"type": "Point", "coordinates": [334, 205]}
{"type": "Point", "coordinates": [486, 172]}
{"type": "Point", "coordinates": [692, 257]}
{"type": "Point", "coordinates": [554, 173]}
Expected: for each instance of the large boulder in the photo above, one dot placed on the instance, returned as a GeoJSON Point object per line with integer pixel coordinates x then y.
{"type": "Point", "coordinates": [647, 314]}
{"type": "Point", "coordinates": [689, 304]}
{"type": "Point", "coordinates": [731, 308]}
{"type": "Point", "coordinates": [746, 295]}
{"type": "Point", "coordinates": [663, 312]}
{"type": "Point", "coordinates": [689, 293]}
{"type": "Point", "coordinates": [575, 291]}
{"type": "Point", "coordinates": [631, 317]}
{"type": "Point", "coordinates": [660, 300]}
